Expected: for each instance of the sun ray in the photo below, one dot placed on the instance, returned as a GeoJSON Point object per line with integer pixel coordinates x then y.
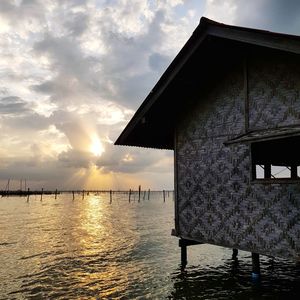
{"type": "Point", "coordinates": [96, 146]}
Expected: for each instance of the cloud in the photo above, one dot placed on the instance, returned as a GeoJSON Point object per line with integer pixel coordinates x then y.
{"type": "Point", "coordinates": [133, 160]}
{"type": "Point", "coordinates": [222, 11]}
{"type": "Point", "coordinates": [127, 61]}
{"type": "Point", "coordinates": [47, 174]}
{"type": "Point", "coordinates": [23, 15]}
{"type": "Point", "coordinates": [73, 71]}
{"type": "Point", "coordinates": [77, 23]}
{"type": "Point", "coordinates": [74, 80]}
{"type": "Point", "coordinates": [13, 105]}
{"type": "Point", "coordinates": [158, 62]}
{"type": "Point", "coordinates": [31, 122]}
{"type": "Point", "coordinates": [18, 117]}
{"type": "Point", "coordinates": [274, 15]}
{"type": "Point", "coordinates": [75, 159]}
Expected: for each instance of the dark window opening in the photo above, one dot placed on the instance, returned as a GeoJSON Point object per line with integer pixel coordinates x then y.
{"type": "Point", "coordinates": [276, 159]}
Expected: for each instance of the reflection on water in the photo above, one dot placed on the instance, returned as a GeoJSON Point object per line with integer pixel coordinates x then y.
{"type": "Point", "coordinates": [91, 249]}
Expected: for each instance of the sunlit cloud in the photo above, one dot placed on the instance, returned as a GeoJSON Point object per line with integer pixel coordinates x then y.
{"type": "Point", "coordinates": [72, 74]}
{"type": "Point", "coordinates": [96, 146]}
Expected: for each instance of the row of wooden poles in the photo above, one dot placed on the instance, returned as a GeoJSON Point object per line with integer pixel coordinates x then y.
{"type": "Point", "coordinates": [146, 194]}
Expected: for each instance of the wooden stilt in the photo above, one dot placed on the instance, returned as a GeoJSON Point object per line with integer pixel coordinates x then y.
{"type": "Point", "coordinates": [234, 253]}
{"type": "Point", "coordinates": [42, 194]}
{"type": "Point", "coordinates": [255, 266]}
{"type": "Point", "coordinates": [164, 195]}
{"type": "Point", "coordinates": [110, 196]}
{"type": "Point", "coordinates": [183, 243]}
{"type": "Point", "coordinates": [55, 194]}
{"type": "Point", "coordinates": [183, 255]}
{"type": "Point", "coordinates": [149, 194]}
{"type": "Point", "coordinates": [73, 195]}
{"type": "Point", "coordinates": [82, 194]}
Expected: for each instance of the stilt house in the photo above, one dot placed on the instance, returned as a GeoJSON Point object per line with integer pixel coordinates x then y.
{"type": "Point", "coordinates": [229, 107]}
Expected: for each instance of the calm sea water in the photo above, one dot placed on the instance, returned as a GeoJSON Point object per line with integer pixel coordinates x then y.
{"type": "Point", "coordinates": [91, 249]}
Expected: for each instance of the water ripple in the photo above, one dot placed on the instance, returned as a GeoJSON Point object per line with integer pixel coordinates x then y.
{"type": "Point", "coordinates": [91, 249]}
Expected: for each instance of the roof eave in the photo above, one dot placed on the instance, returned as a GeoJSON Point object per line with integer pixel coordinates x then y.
{"type": "Point", "coordinates": [206, 28]}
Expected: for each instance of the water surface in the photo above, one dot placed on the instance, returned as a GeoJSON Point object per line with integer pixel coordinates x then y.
{"type": "Point", "coordinates": [93, 249]}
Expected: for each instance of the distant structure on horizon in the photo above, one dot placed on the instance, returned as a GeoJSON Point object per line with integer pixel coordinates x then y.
{"type": "Point", "coordinates": [229, 107]}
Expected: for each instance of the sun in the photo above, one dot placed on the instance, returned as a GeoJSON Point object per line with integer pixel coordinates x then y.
{"type": "Point", "coordinates": [96, 146]}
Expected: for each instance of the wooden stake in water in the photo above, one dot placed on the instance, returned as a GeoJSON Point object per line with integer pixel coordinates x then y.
{"type": "Point", "coordinates": [55, 194]}
{"type": "Point", "coordinates": [129, 195]}
{"type": "Point", "coordinates": [42, 195]}
{"type": "Point", "coordinates": [139, 193]}
{"type": "Point", "coordinates": [164, 194]}
{"type": "Point", "coordinates": [82, 194]}
{"type": "Point", "coordinates": [110, 195]}
{"type": "Point", "coordinates": [7, 187]}
{"type": "Point", "coordinates": [149, 194]}
{"type": "Point", "coordinates": [144, 196]}
{"type": "Point", "coordinates": [28, 195]}
{"type": "Point", "coordinates": [73, 195]}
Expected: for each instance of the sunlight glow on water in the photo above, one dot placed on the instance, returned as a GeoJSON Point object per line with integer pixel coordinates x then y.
{"type": "Point", "coordinates": [91, 249]}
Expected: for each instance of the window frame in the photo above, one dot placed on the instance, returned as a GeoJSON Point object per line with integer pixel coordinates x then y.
{"type": "Point", "coordinates": [256, 157]}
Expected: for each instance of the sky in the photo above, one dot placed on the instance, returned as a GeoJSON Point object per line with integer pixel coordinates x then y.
{"type": "Point", "coordinates": [73, 72]}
